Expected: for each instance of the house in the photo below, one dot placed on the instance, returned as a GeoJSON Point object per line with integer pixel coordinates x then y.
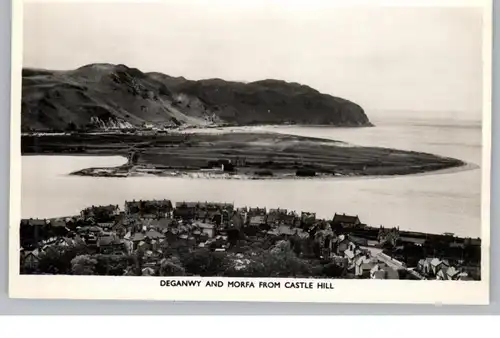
{"type": "Point", "coordinates": [106, 225]}
{"type": "Point", "coordinates": [119, 228]}
{"type": "Point", "coordinates": [282, 230]}
{"type": "Point", "coordinates": [377, 272]}
{"type": "Point", "coordinates": [31, 259]}
{"type": "Point", "coordinates": [363, 265]}
{"type": "Point", "coordinates": [437, 264]}
{"type": "Point", "coordinates": [257, 212]}
{"type": "Point", "coordinates": [37, 222]}
{"type": "Point", "coordinates": [132, 207]}
{"type": "Point", "coordinates": [159, 208]}
{"type": "Point", "coordinates": [286, 230]}
{"type": "Point", "coordinates": [142, 245]}
{"type": "Point", "coordinates": [130, 220]}
{"type": "Point", "coordinates": [110, 245]}
{"type": "Point", "coordinates": [350, 255]}
{"type": "Point", "coordinates": [342, 244]}
{"type": "Point", "coordinates": [64, 241]}
{"type": "Point", "coordinates": [137, 237]}
{"type": "Point", "coordinates": [214, 206]}
{"type": "Point", "coordinates": [452, 273]}
{"type": "Point", "coordinates": [207, 229]}
{"type": "Point", "coordinates": [277, 215]}
{"type": "Point", "coordinates": [185, 210]}
{"type": "Point", "coordinates": [154, 235]}
{"type": "Point", "coordinates": [161, 224]}
{"type": "Point", "coordinates": [441, 275]}
{"type": "Point", "coordinates": [155, 244]}
{"type": "Point", "coordinates": [163, 208]}
{"type": "Point", "coordinates": [257, 220]}
{"type": "Point", "coordinates": [101, 213]}
{"type": "Point", "coordinates": [58, 223]}
{"type": "Point", "coordinates": [424, 266]}
{"type": "Point", "coordinates": [346, 221]}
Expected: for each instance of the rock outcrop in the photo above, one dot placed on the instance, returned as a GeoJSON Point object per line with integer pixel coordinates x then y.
{"type": "Point", "coordinates": [106, 96]}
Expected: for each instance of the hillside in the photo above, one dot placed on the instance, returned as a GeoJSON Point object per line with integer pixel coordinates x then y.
{"type": "Point", "coordinates": [99, 96]}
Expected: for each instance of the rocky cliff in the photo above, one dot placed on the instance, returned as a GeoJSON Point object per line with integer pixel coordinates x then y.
{"type": "Point", "coordinates": [103, 96]}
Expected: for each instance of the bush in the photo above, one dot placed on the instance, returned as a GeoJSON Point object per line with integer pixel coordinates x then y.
{"type": "Point", "coordinates": [172, 267]}
{"type": "Point", "coordinates": [83, 265]}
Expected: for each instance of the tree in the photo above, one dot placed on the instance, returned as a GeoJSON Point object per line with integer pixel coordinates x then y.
{"type": "Point", "coordinates": [333, 270]}
{"type": "Point", "coordinates": [172, 267]}
{"type": "Point", "coordinates": [112, 265]}
{"type": "Point", "coordinates": [57, 259]}
{"type": "Point", "coordinates": [203, 262]}
{"type": "Point", "coordinates": [280, 261]}
{"type": "Point", "coordinates": [83, 265]}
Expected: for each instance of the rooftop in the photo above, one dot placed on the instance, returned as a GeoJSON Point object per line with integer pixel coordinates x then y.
{"type": "Point", "coordinates": [345, 219]}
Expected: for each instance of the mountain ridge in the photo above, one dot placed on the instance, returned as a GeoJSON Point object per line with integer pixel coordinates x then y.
{"type": "Point", "coordinates": [103, 95]}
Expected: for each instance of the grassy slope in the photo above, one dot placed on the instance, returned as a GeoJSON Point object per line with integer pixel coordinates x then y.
{"type": "Point", "coordinates": [116, 94]}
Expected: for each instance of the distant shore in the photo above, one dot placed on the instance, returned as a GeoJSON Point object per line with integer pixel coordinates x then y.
{"type": "Point", "coordinates": [247, 155]}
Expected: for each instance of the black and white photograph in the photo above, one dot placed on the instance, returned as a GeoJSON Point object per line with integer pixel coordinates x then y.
{"type": "Point", "coordinates": [268, 145]}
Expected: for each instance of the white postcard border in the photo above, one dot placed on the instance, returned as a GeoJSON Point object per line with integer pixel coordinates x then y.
{"type": "Point", "coordinates": [345, 291]}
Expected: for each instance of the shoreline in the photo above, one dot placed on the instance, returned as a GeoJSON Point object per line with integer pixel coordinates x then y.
{"type": "Point", "coordinates": [194, 128]}
{"type": "Point", "coordinates": [114, 172]}
{"type": "Point", "coordinates": [237, 155]}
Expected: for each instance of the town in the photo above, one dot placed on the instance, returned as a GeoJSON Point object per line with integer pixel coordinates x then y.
{"type": "Point", "coordinates": [158, 238]}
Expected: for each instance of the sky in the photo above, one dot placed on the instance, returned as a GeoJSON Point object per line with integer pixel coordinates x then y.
{"type": "Point", "coordinates": [390, 60]}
